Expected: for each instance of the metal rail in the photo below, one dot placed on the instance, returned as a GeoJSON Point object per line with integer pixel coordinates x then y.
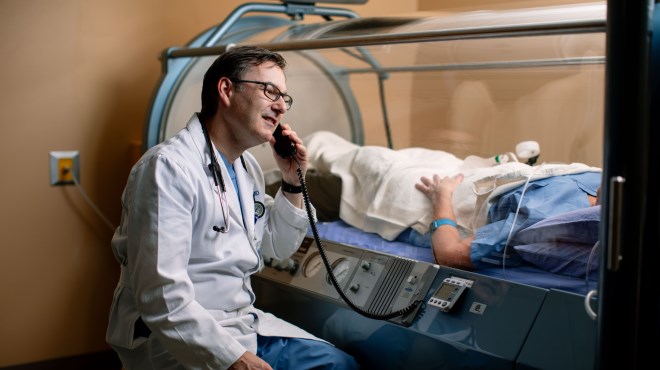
{"type": "Point", "coordinates": [472, 33]}
{"type": "Point", "coordinates": [531, 63]}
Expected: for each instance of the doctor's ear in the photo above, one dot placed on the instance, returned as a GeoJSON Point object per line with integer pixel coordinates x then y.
{"type": "Point", "coordinates": [225, 89]}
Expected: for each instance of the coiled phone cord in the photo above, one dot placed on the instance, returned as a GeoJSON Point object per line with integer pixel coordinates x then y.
{"type": "Point", "coordinates": [319, 244]}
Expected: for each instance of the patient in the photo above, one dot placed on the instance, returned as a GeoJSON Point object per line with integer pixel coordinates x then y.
{"type": "Point", "coordinates": [378, 196]}
{"type": "Point", "coordinates": [541, 199]}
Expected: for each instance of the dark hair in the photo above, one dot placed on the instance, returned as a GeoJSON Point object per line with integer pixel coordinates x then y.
{"type": "Point", "coordinates": [232, 64]}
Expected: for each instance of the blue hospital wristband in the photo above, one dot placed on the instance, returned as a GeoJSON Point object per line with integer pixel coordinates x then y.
{"type": "Point", "coordinates": [441, 221]}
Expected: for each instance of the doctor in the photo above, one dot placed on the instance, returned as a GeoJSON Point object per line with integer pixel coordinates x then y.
{"type": "Point", "coordinates": [195, 221]}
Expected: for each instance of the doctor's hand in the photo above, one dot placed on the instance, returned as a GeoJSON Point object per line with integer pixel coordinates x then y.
{"type": "Point", "coordinates": [249, 361]}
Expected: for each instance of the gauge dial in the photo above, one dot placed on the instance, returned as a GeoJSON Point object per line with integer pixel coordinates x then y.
{"type": "Point", "coordinates": [312, 265]}
{"type": "Point", "coordinates": [340, 269]}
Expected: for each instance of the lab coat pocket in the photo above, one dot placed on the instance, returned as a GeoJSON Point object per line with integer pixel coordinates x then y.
{"type": "Point", "coordinates": [123, 316]}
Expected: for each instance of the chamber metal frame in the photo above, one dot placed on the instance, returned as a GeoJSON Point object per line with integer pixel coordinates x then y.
{"type": "Point", "coordinates": [469, 33]}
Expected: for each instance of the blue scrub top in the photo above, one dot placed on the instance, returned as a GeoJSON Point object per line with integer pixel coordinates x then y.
{"type": "Point", "coordinates": [541, 199]}
{"type": "Point", "coordinates": [232, 175]}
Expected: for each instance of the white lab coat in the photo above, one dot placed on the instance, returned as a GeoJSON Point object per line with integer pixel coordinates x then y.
{"type": "Point", "coordinates": [189, 283]}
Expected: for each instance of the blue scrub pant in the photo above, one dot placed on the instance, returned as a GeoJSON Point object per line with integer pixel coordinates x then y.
{"type": "Point", "coordinates": [296, 353]}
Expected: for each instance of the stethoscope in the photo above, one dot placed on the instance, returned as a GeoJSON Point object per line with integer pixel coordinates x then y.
{"type": "Point", "coordinates": [220, 188]}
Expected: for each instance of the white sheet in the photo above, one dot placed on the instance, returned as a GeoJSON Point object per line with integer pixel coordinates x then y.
{"type": "Point", "coordinates": [378, 184]}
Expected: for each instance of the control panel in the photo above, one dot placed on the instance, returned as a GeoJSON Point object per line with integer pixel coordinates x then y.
{"type": "Point", "coordinates": [378, 283]}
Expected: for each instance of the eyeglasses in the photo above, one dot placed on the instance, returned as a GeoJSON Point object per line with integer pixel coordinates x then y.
{"type": "Point", "coordinates": [271, 91]}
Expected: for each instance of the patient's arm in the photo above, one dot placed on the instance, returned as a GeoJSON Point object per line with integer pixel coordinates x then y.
{"type": "Point", "coordinates": [448, 247]}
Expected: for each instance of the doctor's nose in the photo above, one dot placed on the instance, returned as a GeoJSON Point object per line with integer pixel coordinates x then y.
{"type": "Point", "coordinates": [280, 106]}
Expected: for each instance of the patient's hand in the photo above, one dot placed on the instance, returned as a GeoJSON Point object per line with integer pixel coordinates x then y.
{"type": "Point", "coordinates": [448, 247]}
{"type": "Point", "coordinates": [439, 187]}
{"type": "Point", "coordinates": [250, 361]}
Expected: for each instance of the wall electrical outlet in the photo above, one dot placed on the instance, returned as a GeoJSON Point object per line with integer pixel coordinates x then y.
{"type": "Point", "coordinates": [64, 167]}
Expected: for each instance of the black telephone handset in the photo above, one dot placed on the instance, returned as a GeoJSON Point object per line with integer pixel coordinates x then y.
{"type": "Point", "coordinates": [284, 147]}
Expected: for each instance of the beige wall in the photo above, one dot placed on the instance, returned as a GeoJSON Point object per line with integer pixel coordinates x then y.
{"type": "Point", "coordinates": [78, 75]}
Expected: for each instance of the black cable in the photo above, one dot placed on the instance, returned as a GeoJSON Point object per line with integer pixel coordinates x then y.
{"type": "Point", "coordinates": [383, 105]}
{"type": "Point", "coordinates": [317, 239]}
